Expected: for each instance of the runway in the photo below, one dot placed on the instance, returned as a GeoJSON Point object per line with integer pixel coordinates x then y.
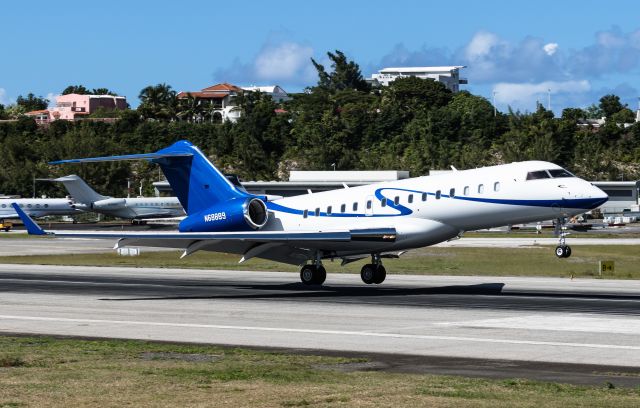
{"type": "Point", "coordinates": [536, 320]}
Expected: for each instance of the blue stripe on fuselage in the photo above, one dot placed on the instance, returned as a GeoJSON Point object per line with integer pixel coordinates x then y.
{"type": "Point", "coordinates": [578, 203]}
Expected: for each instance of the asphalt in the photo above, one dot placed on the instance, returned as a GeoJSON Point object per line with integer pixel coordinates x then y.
{"type": "Point", "coordinates": [577, 331]}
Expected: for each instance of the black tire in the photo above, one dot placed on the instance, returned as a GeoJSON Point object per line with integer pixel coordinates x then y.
{"type": "Point", "coordinates": [307, 274]}
{"type": "Point", "coordinates": [560, 251]}
{"type": "Point", "coordinates": [319, 275]}
{"type": "Point", "coordinates": [567, 251]}
{"type": "Point", "coordinates": [368, 273]}
{"type": "Point", "coordinates": [380, 275]}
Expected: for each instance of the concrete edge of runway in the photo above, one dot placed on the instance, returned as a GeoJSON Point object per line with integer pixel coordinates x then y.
{"type": "Point", "coordinates": [494, 369]}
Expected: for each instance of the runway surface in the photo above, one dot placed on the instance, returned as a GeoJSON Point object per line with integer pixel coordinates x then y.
{"type": "Point", "coordinates": [534, 320]}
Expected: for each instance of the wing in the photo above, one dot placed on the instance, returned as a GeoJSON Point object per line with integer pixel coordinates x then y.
{"type": "Point", "coordinates": [281, 246]}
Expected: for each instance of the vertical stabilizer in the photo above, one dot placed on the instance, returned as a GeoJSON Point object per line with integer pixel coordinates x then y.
{"type": "Point", "coordinates": [80, 190]}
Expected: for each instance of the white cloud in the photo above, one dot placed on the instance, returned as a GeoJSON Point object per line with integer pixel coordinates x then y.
{"type": "Point", "coordinates": [52, 99]}
{"type": "Point", "coordinates": [525, 95]}
{"type": "Point", "coordinates": [481, 45]}
{"type": "Point", "coordinates": [282, 62]}
{"type": "Point", "coordinates": [550, 48]}
{"type": "Point", "coordinates": [3, 97]}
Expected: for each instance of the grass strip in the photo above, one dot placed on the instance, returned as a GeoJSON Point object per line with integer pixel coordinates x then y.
{"type": "Point", "coordinates": [532, 261]}
{"type": "Point", "coordinates": [48, 372]}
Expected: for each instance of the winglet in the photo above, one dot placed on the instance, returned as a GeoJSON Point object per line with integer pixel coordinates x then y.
{"type": "Point", "coordinates": [29, 223]}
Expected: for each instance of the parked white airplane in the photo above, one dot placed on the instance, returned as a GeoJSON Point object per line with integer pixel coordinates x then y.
{"type": "Point", "coordinates": [380, 220]}
{"type": "Point", "coordinates": [39, 207]}
{"type": "Point", "coordinates": [129, 208]}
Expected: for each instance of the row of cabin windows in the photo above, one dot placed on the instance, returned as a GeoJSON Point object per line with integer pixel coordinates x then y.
{"type": "Point", "coordinates": [396, 200]}
{"type": "Point", "coordinates": [28, 205]}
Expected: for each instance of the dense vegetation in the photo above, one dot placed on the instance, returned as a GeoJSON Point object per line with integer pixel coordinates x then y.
{"type": "Point", "coordinates": [413, 124]}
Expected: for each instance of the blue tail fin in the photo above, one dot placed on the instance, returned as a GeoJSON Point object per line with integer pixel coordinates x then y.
{"type": "Point", "coordinates": [193, 178]}
{"type": "Point", "coordinates": [197, 183]}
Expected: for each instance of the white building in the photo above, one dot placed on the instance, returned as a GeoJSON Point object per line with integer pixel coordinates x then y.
{"type": "Point", "coordinates": [276, 93]}
{"type": "Point", "coordinates": [449, 75]}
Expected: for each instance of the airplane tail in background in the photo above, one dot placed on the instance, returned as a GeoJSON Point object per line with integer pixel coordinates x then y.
{"type": "Point", "coordinates": [80, 190]}
{"type": "Point", "coordinates": [197, 183]}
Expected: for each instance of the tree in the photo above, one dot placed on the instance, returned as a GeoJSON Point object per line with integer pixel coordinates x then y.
{"type": "Point", "coordinates": [610, 104]}
{"type": "Point", "coordinates": [573, 114]}
{"type": "Point", "coordinates": [76, 89]}
{"type": "Point", "coordinates": [32, 102]}
{"type": "Point", "coordinates": [3, 113]}
{"type": "Point", "coordinates": [345, 75]}
{"type": "Point", "coordinates": [624, 115]}
{"type": "Point", "coordinates": [416, 93]}
{"type": "Point", "coordinates": [103, 91]}
{"type": "Point", "coordinates": [158, 102]}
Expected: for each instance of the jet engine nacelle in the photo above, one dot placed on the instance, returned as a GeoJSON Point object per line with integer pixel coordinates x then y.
{"type": "Point", "coordinates": [234, 215]}
{"type": "Point", "coordinates": [109, 204]}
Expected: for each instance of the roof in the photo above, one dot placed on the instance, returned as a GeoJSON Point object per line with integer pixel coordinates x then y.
{"type": "Point", "coordinates": [37, 112]}
{"type": "Point", "coordinates": [422, 69]}
{"type": "Point", "coordinates": [265, 89]}
{"type": "Point", "coordinates": [223, 87]}
{"type": "Point", "coordinates": [202, 95]}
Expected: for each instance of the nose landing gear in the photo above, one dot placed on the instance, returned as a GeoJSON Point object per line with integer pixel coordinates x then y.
{"type": "Point", "coordinates": [562, 250]}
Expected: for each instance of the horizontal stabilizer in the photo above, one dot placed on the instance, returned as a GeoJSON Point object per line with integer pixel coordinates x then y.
{"type": "Point", "coordinates": [143, 156]}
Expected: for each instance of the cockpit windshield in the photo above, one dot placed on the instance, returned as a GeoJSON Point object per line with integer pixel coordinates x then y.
{"type": "Point", "coordinates": [535, 175]}
{"type": "Point", "coordinates": [559, 173]}
{"type": "Point", "coordinates": [545, 174]}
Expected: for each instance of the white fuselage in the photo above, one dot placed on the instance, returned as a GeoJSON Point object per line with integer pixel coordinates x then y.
{"type": "Point", "coordinates": [40, 207]}
{"type": "Point", "coordinates": [428, 210]}
{"type": "Point", "coordinates": [139, 208]}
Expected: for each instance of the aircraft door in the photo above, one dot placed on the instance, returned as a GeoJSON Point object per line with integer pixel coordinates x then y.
{"type": "Point", "coordinates": [368, 206]}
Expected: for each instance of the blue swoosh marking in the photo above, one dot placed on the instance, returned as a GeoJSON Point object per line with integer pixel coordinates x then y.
{"type": "Point", "coordinates": [578, 203]}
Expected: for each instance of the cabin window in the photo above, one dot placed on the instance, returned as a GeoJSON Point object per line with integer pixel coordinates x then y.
{"type": "Point", "coordinates": [46, 206]}
{"type": "Point", "coordinates": [368, 204]}
{"type": "Point", "coordinates": [384, 202]}
{"type": "Point", "coordinates": [4, 206]}
{"type": "Point", "coordinates": [396, 200]}
{"type": "Point", "coordinates": [317, 212]}
{"type": "Point", "coordinates": [536, 175]}
{"type": "Point", "coordinates": [480, 188]}
{"type": "Point", "coordinates": [410, 199]}
{"type": "Point", "coordinates": [438, 194]}
{"type": "Point", "coordinates": [21, 205]}
{"type": "Point", "coordinates": [355, 206]}
{"type": "Point", "coordinates": [305, 213]}
{"type": "Point", "coordinates": [343, 208]}
{"type": "Point", "coordinates": [424, 196]}
{"type": "Point", "coordinates": [37, 205]}
{"type": "Point", "coordinates": [29, 205]}
{"type": "Point", "coordinates": [329, 210]}
{"type": "Point", "coordinates": [466, 190]}
{"type": "Point", "coordinates": [452, 192]}
{"type": "Point", "coordinates": [496, 186]}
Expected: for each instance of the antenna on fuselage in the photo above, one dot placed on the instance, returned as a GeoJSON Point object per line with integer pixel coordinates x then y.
{"type": "Point", "coordinates": [453, 168]}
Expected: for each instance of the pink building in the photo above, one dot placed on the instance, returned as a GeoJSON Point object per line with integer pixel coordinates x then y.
{"type": "Point", "coordinates": [76, 106]}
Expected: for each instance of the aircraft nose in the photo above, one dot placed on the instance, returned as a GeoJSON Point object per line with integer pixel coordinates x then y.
{"type": "Point", "coordinates": [598, 196]}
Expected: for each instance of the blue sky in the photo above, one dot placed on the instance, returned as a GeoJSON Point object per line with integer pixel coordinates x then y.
{"type": "Point", "coordinates": [580, 50]}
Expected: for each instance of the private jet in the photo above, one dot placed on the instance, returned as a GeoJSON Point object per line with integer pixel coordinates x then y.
{"type": "Point", "coordinates": [378, 221]}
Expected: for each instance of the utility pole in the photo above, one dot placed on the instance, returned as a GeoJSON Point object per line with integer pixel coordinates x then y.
{"type": "Point", "coordinates": [495, 112]}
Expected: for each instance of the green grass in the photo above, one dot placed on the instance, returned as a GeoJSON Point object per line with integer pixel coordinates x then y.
{"type": "Point", "coordinates": [109, 373]}
{"type": "Point", "coordinates": [533, 261]}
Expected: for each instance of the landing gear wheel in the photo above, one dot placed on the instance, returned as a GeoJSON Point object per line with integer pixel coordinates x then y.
{"type": "Point", "coordinates": [563, 251]}
{"type": "Point", "coordinates": [313, 275]}
{"type": "Point", "coordinates": [379, 275]}
{"type": "Point", "coordinates": [368, 273]}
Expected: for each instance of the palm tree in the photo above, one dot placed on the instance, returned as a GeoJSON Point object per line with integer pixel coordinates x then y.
{"type": "Point", "coordinates": [158, 102]}
{"type": "Point", "coordinates": [190, 108]}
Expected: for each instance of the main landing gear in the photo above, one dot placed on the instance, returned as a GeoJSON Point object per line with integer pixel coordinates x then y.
{"type": "Point", "coordinates": [562, 250]}
{"type": "Point", "coordinates": [315, 274]}
{"type": "Point", "coordinates": [373, 272]}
